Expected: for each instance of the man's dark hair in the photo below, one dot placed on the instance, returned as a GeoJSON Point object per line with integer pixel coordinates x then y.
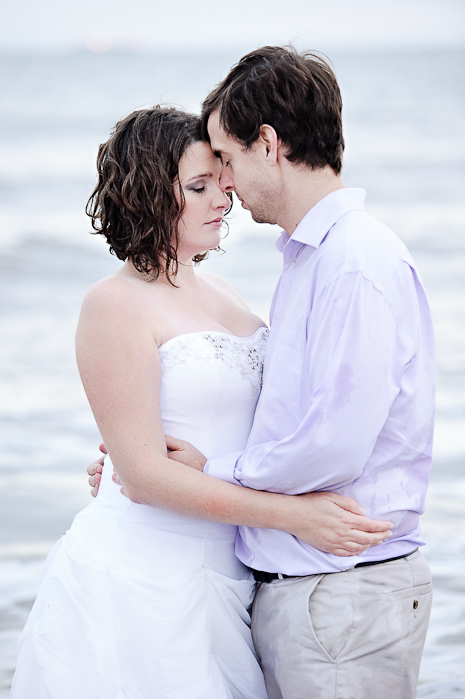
{"type": "Point", "coordinates": [295, 93]}
{"type": "Point", "coordinates": [134, 204]}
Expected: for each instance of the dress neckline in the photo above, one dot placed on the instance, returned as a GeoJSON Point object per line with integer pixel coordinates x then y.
{"type": "Point", "coordinates": [212, 332]}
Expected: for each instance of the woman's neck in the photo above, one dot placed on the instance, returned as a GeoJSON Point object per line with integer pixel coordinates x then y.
{"type": "Point", "coordinates": [184, 277]}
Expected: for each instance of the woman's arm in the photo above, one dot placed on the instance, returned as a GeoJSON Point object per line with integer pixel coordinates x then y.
{"type": "Point", "coordinates": [120, 369]}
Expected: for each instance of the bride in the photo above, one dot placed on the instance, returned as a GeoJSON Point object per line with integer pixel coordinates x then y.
{"type": "Point", "coordinates": [150, 602]}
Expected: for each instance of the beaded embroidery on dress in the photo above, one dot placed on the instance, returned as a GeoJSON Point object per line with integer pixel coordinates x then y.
{"type": "Point", "coordinates": [245, 354]}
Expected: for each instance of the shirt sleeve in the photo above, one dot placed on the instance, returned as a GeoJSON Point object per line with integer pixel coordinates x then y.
{"type": "Point", "coordinates": [223, 467]}
{"type": "Point", "coordinates": [353, 366]}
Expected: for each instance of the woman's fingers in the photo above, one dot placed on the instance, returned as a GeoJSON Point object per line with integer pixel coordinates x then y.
{"type": "Point", "coordinates": [356, 542]}
{"type": "Point", "coordinates": [367, 538]}
{"type": "Point", "coordinates": [359, 522]}
{"type": "Point", "coordinates": [351, 548]}
{"type": "Point", "coordinates": [372, 526]}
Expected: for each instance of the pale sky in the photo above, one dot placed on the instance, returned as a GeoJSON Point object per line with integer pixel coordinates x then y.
{"type": "Point", "coordinates": [197, 24]}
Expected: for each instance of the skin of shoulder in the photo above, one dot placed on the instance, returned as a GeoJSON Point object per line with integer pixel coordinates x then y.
{"type": "Point", "coordinates": [114, 288]}
{"type": "Point", "coordinates": [110, 301]}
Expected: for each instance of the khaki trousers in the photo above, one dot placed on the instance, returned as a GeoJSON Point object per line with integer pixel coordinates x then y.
{"type": "Point", "coordinates": [358, 634]}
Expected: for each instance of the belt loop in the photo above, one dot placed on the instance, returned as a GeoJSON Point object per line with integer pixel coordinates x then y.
{"type": "Point", "coordinates": [280, 576]}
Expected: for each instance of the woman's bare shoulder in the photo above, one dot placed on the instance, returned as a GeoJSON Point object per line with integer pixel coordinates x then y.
{"type": "Point", "coordinates": [114, 295]}
{"type": "Point", "coordinates": [115, 307]}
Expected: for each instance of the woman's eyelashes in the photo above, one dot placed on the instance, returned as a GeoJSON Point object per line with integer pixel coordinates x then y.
{"type": "Point", "coordinates": [199, 188]}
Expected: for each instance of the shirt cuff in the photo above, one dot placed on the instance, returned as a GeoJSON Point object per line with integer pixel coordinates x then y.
{"type": "Point", "coordinates": [223, 467]}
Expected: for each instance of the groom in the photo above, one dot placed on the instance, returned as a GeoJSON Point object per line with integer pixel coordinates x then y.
{"type": "Point", "coordinates": [348, 395]}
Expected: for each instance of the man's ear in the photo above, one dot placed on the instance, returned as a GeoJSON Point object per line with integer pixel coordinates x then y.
{"type": "Point", "coordinates": [270, 143]}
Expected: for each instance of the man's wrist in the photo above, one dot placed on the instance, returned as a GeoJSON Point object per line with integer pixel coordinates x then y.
{"type": "Point", "coordinates": [223, 467]}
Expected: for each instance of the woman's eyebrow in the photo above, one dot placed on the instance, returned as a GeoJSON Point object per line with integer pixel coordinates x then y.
{"type": "Point", "coordinates": [198, 177]}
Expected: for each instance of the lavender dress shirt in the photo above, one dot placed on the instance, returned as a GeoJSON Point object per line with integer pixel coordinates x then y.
{"type": "Point", "coordinates": [347, 403]}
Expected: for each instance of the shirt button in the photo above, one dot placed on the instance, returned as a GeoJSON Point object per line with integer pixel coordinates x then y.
{"type": "Point", "coordinates": [293, 265]}
{"type": "Point", "coordinates": [280, 314]}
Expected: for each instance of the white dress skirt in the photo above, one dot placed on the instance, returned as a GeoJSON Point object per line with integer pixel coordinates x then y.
{"type": "Point", "coordinates": [141, 603]}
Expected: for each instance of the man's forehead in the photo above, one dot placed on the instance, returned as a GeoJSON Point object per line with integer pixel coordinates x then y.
{"type": "Point", "coordinates": [219, 139]}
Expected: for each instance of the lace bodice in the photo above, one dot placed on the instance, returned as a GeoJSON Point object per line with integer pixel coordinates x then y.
{"type": "Point", "coordinates": [242, 353]}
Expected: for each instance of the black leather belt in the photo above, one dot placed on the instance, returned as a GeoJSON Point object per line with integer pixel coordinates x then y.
{"type": "Point", "coordinates": [387, 560]}
{"type": "Point", "coordinates": [262, 576]}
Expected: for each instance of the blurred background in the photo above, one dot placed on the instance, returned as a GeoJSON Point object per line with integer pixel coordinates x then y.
{"type": "Point", "coordinates": [68, 72]}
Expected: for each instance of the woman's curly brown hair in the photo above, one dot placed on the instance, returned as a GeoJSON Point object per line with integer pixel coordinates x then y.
{"type": "Point", "coordinates": [134, 204]}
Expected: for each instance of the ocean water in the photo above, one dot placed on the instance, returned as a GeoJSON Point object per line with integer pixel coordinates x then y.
{"type": "Point", "coordinates": [404, 115]}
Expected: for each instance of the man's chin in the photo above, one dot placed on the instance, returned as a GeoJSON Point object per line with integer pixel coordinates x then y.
{"type": "Point", "coordinates": [260, 218]}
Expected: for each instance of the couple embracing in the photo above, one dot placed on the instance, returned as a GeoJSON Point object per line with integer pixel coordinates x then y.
{"type": "Point", "coordinates": [277, 441]}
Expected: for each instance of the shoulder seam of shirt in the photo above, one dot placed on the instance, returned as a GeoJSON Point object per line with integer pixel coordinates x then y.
{"type": "Point", "coordinates": [378, 291]}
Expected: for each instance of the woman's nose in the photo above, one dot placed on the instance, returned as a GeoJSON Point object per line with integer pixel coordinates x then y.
{"type": "Point", "coordinates": [222, 201]}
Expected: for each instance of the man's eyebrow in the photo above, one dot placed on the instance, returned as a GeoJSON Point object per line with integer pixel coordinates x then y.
{"type": "Point", "coordinates": [198, 177]}
{"type": "Point", "coordinates": [218, 153]}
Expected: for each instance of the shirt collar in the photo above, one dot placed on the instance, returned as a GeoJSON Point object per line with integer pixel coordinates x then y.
{"type": "Point", "coordinates": [321, 217]}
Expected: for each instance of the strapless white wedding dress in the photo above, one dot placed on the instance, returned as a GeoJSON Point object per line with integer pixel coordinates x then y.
{"type": "Point", "coordinates": [141, 603]}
